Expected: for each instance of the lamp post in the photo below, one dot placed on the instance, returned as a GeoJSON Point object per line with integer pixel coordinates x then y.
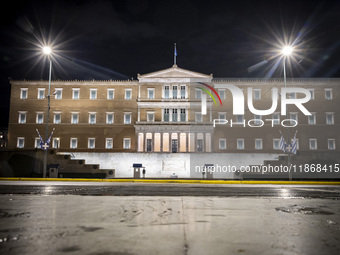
{"type": "Point", "coordinates": [47, 51]}
{"type": "Point", "coordinates": [286, 51]}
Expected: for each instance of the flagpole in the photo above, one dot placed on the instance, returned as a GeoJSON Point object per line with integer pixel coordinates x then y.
{"type": "Point", "coordinates": [175, 54]}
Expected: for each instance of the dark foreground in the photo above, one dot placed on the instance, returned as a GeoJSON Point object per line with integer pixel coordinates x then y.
{"type": "Point", "coordinates": [131, 218]}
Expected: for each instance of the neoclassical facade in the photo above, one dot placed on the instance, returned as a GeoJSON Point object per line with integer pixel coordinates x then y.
{"type": "Point", "coordinates": [161, 112]}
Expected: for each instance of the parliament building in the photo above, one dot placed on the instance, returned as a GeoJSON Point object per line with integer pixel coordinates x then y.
{"type": "Point", "coordinates": [158, 120]}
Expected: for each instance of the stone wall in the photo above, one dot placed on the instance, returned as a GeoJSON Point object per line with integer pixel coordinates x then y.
{"type": "Point", "coordinates": [183, 165]}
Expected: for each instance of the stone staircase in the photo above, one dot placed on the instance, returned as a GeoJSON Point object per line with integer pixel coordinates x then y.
{"type": "Point", "coordinates": [77, 168]}
{"type": "Point", "coordinates": [29, 163]}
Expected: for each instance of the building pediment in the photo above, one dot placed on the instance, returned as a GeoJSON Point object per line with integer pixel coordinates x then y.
{"type": "Point", "coordinates": [173, 74]}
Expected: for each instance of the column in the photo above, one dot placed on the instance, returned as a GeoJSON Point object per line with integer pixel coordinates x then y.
{"type": "Point", "coordinates": [195, 142]}
{"type": "Point", "coordinates": [207, 142]}
{"type": "Point", "coordinates": [144, 143]}
{"type": "Point", "coordinates": [178, 140]}
{"type": "Point", "coordinates": [153, 142]}
{"type": "Point", "coordinates": [187, 142]}
{"type": "Point", "coordinates": [204, 149]}
{"type": "Point", "coordinates": [138, 113]}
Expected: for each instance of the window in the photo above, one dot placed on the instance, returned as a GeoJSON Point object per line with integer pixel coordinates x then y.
{"type": "Point", "coordinates": [75, 93]}
{"type": "Point", "coordinates": [57, 118]}
{"type": "Point", "coordinates": [92, 118]}
{"type": "Point", "coordinates": [312, 95]}
{"type": "Point", "coordinates": [174, 92]}
{"type": "Point", "coordinates": [221, 93]}
{"type": "Point", "coordinates": [313, 144]}
{"type": "Point", "coordinates": [23, 93]}
{"type": "Point", "coordinates": [258, 119]}
{"type": "Point", "coordinates": [183, 116]}
{"type": "Point", "coordinates": [151, 93]}
{"type": "Point", "coordinates": [56, 143]}
{"type": "Point", "coordinates": [110, 94]}
{"type": "Point", "coordinates": [293, 116]}
{"type": "Point", "coordinates": [166, 116]}
{"type": "Point", "coordinates": [198, 117]}
{"type": "Point", "coordinates": [257, 94]}
{"type": "Point", "coordinates": [91, 143]}
{"type": "Point", "coordinates": [22, 117]}
{"type": "Point", "coordinates": [93, 94]}
{"type": "Point", "coordinates": [39, 118]}
{"type": "Point", "coordinates": [198, 93]}
{"type": "Point", "coordinates": [127, 118]}
{"type": "Point", "coordinates": [329, 118]}
{"type": "Point", "coordinates": [150, 117]}
{"type": "Point", "coordinates": [292, 95]}
{"type": "Point", "coordinates": [128, 94]}
{"type": "Point", "coordinates": [126, 143]}
{"type": "Point", "coordinates": [108, 143]}
{"type": "Point", "coordinates": [199, 144]}
{"type": "Point", "coordinates": [222, 144]}
{"type": "Point", "coordinates": [75, 118]}
{"type": "Point", "coordinates": [328, 94]}
{"type": "Point", "coordinates": [183, 96]}
{"type": "Point", "coordinates": [276, 144]}
{"type": "Point", "coordinates": [37, 143]}
{"type": "Point", "coordinates": [331, 144]}
{"type": "Point", "coordinates": [166, 92]}
{"type": "Point", "coordinates": [58, 93]}
{"type": "Point", "coordinates": [276, 119]}
{"type": "Point", "coordinates": [174, 115]}
{"type": "Point", "coordinates": [222, 115]}
{"type": "Point", "coordinates": [20, 142]}
{"type": "Point", "coordinates": [258, 144]}
{"type": "Point", "coordinates": [41, 93]}
{"type": "Point", "coordinates": [73, 143]}
{"type": "Point", "coordinates": [240, 144]}
{"type": "Point", "coordinates": [109, 118]}
{"type": "Point", "coordinates": [312, 119]}
{"type": "Point", "coordinates": [239, 118]}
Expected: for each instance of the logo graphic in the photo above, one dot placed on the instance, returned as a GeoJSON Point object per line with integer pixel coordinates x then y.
{"type": "Point", "coordinates": [204, 97]}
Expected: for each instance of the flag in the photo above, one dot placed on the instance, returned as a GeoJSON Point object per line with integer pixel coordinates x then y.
{"type": "Point", "coordinates": [294, 144]}
{"type": "Point", "coordinates": [175, 50]}
{"type": "Point", "coordinates": [283, 143]}
{"type": "Point", "coordinates": [41, 140]}
{"type": "Point", "coordinates": [49, 139]}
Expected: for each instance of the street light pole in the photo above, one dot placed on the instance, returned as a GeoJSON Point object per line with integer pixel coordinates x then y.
{"type": "Point", "coordinates": [47, 51]}
{"type": "Point", "coordinates": [286, 51]}
{"type": "Point", "coordinates": [288, 133]}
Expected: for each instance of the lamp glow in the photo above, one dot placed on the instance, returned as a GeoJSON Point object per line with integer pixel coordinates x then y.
{"type": "Point", "coordinates": [47, 50]}
{"type": "Point", "coordinates": [287, 50]}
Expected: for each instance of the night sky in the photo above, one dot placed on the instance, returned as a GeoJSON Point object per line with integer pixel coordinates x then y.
{"type": "Point", "coordinates": [117, 39]}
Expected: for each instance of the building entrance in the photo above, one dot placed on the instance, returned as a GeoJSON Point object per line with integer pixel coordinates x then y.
{"type": "Point", "coordinates": [174, 145]}
{"type": "Point", "coordinates": [149, 145]}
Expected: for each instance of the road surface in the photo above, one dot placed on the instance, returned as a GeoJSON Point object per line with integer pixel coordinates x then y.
{"type": "Point", "coordinates": [135, 218]}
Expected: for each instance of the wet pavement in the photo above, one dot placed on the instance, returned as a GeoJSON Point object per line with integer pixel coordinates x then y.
{"type": "Point", "coordinates": [168, 189]}
{"type": "Point", "coordinates": [125, 218]}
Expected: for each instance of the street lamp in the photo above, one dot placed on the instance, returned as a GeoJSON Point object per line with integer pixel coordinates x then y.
{"type": "Point", "coordinates": [286, 51]}
{"type": "Point", "coordinates": [47, 51]}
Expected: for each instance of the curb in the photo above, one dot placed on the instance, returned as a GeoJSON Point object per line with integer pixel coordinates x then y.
{"type": "Point", "coordinates": [177, 181]}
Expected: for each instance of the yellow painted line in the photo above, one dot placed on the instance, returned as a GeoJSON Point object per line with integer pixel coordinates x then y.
{"type": "Point", "coordinates": [177, 181]}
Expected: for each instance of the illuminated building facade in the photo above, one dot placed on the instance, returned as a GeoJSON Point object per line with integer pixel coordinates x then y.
{"type": "Point", "coordinates": [161, 113]}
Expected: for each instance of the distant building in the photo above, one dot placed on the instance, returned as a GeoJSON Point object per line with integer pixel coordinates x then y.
{"type": "Point", "coordinates": [161, 114]}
